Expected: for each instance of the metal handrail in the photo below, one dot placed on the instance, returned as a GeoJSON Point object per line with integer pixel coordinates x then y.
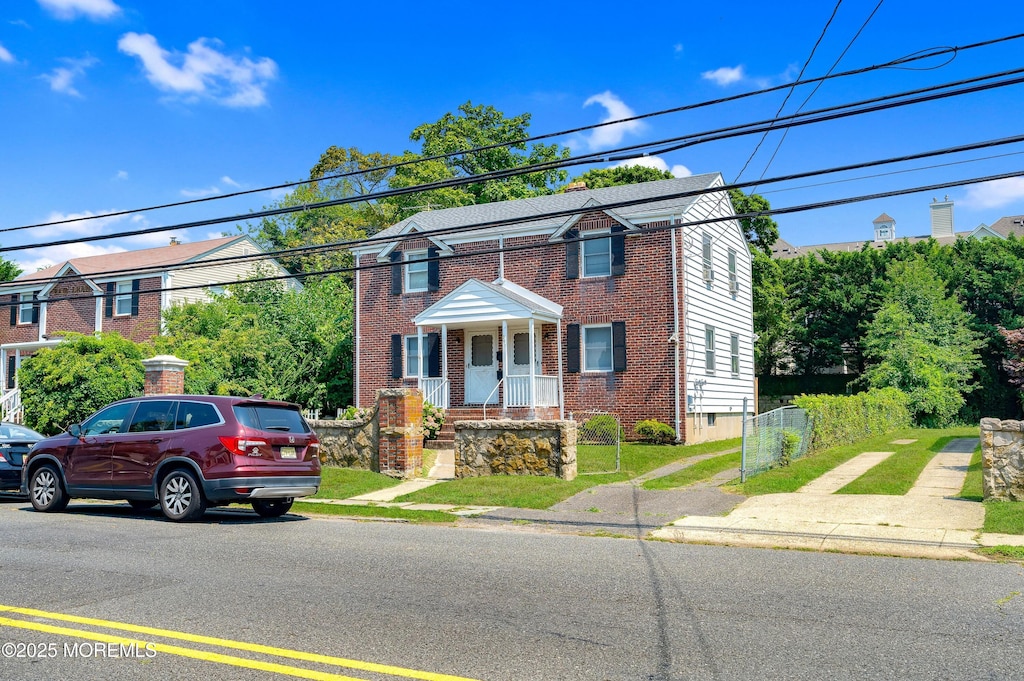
{"type": "Point", "coordinates": [488, 399]}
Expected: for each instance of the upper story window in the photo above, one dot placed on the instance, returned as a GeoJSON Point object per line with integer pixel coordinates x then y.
{"type": "Point", "coordinates": [597, 257]}
{"type": "Point", "coordinates": [26, 306]}
{"type": "Point", "coordinates": [734, 283]}
{"type": "Point", "coordinates": [734, 354]}
{"type": "Point", "coordinates": [708, 265]}
{"type": "Point", "coordinates": [709, 349]}
{"type": "Point", "coordinates": [415, 272]}
{"type": "Point", "coordinates": [123, 301]}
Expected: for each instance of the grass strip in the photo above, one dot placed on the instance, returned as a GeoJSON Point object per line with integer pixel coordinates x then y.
{"type": "Point", "coordinates": [897, 474]}
{"type": "Point", "coordinates": [1003, 551]}
{"type": "Point", "coordinates": [374, 512]}
{"type": "Point", "coordinates": [972, 489]}
{"type": "Point", "coordinates": [343, 483]}
{"type": "Point", "coordinates": [1004, 517]}
{"type": "Point", "coordinates": [702, 470]}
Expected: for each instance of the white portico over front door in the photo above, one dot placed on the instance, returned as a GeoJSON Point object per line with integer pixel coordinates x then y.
{"type": "Point", "coordinates": [501, 324]}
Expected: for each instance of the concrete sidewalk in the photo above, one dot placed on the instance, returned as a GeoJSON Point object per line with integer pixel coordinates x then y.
{"type": "Point", "coordinates": [927, 522]}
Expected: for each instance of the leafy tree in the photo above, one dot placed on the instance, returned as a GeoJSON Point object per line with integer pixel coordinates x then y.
{"type": "Point", "coordinates": [599, 178]}
{"type": "Point", "coordinates": [66, 383]}
{"type": "Point", "coordinates": [773, 320]}
{"type": "Point", "coordinates": [8, 270]}
{"type": "Point", "coordinates": [920, 342]}
{"type": "Point", "coordinates": [761, 231]}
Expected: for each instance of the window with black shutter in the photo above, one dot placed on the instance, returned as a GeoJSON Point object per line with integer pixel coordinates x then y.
{"type": "Point", "coordinates": [108, 300]}
{"type": "Point", "coordinates": [618, 250]}
{"type": "Point", "coordinates": [396, 273]}
{"type": "Point", "coordinates": [396, 355]}
{"type": "Point", "coordinates": [433, 269]}
{"type": "Point", "coordinates": [14, 310]}
{"type": "Point", "coordinates": [12, 368]}
{"type": "Point", "coordinates": [572, 348]}
{"type": "Point", "coordinates": [572, 254]}
{"type": "Point", "coordinates": [618, 346]}
{"type": "Point", "coordinates": [135, 297]}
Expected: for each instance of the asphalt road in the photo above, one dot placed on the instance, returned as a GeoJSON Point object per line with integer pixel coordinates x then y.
{"type": "Point", "coordinates": [512, 604]}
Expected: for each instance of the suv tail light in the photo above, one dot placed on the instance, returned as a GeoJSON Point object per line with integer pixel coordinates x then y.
{"type": "Point", "coordinates": [242, 446]}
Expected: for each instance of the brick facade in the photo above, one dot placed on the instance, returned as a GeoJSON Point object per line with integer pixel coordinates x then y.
{"type": "Point", "coordinates": [641, 297]}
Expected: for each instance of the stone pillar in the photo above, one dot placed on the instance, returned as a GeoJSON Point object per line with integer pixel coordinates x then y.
{"type": "Point", "coordinates": [1002, 459]}
{"type": "Point", "coordinates": [165, 375]}
{"type": "Point", "coordinates": [400, 415]}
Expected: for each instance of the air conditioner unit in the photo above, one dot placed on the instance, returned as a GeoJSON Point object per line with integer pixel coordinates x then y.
{"type": "Point", "coordinates": [734, 287]}
{"type": "Point", "coordinates": [709, 274]}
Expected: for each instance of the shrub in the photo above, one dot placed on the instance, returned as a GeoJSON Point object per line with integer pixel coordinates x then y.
{"type": "Point", "coordinates": [603, 428]}
{"type": "Point", "coordinates": [654, 431]}
{"type": "Point", "coordinates": [351, 413]}
{"type": "Point", "coordinates": [839, 420]}
{"type": "Point", "coordinates": [790, 446]}
{"type": "Point", "coordinates": [433, 419]}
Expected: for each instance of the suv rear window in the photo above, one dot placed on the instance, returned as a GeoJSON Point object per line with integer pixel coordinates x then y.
{"type": "Point", "coordinates": [269, 417]}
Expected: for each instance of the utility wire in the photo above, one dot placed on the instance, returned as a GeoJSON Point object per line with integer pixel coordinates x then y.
{"type": "Point", "coordinates": [792, 88]}
{"type": "Point", "coordinates": [480, 226]}
{"type": "Point", "coordinates": [895, 63]}
{"type": "Point", "coordinates": [831, 113]}
{"type": "Point", "coordinates": [644, 231]}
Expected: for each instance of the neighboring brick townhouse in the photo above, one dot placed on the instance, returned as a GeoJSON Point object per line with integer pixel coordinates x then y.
{"type": "Point", "coordinates": [591, 309]}
{"type": "Point", "coordinates": [125, 292]}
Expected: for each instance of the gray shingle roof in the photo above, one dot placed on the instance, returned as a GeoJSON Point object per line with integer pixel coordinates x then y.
{"type": "Point", "coordinates": [524, 212]}
{"type": "Point", "coordinates": [1012, 224]}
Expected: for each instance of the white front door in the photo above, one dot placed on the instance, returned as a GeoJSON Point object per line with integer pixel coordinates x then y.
{"type": "Point", "coordinates": [481, 368]}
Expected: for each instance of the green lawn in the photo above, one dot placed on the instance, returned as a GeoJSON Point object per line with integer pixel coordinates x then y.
{"type": "Point", "coordinates": [342, 483]}
{"type": "Point", "coordinates": [544, 492]}
{"type": "Point", "coordinates": [972, 490]}
{"type": "Point", "coordinates": [800, 472]}
{"type": "Point", "coordinates": [374, 512]}
{"type": "Point", "coordinates": [898, 473]}
{"type": "Point", "coordinates": [702, 470]}
{"type": "Point", "coordinates": [1004, 517]}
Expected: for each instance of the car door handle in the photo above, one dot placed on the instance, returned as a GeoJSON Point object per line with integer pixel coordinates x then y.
{"type": "Point", "coordinates": [156, 440]}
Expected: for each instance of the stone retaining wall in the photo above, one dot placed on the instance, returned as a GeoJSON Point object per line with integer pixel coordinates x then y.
{"type": "Point", "coordinates": [515, 448]}
{"type": "Point", "coordinates": [349, 444]}
{"type": "Point", "coordinates": [1002, 459]}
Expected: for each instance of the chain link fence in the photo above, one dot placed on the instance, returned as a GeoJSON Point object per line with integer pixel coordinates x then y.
{"type": "Point", "coordinates": [774, 438]}
{"type": "Point", "coordinates": [598, 442]}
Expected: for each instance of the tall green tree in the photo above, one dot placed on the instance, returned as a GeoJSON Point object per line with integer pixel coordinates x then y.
{"type": "Point", "coordinates": [598, 178]}
{"type": "Point", "coordinates": [761, 231]}
{"type": "Point", "coordinates": [920, 342]}
{"type": "Point", "coordinates": [773, 319]}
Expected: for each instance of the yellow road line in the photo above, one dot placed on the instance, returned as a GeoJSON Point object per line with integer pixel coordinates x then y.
{"type": "Point", "coordinates": [237, 645]}
{"type": "Point", "coordinates": [177, 650]}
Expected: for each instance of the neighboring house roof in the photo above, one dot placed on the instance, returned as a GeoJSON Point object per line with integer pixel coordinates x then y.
{"type": "Point", "coordinates": [163, 256]}
{"type": "Point", "coordinates": [1013, 224]}
{"type": "Point", "coordinates": [787, 250]}
{"type": "Point", "coordinates": [524, 212]}
{"type": "Point", "coordinates": [884, 217]}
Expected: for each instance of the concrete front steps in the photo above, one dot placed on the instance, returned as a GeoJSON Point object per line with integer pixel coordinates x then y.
{"type": "Point", "coordinates": [446, 437]}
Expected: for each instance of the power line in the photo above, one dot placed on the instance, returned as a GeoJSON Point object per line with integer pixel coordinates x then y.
{"type": "Point", "coordinates": [895, 63]}
{"type": "Point", "coordinates": [831, 113]}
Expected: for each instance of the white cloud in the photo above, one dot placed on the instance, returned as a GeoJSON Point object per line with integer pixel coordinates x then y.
{"type": "Point", "coordinates": [19, 22]}
{"type": "Point", "coordinates": [678, 47]}
{"type": "Point", "coordinates": [658, 163]}
{"type": "Point", "coordinates": [69, 9]}
{"type": "Point", "coordinates": [203, 71]}
{"type": "Point", "coordinates": [6, 56]}
{"type": "Point", "coordinates": [726, 75]}
{"type": "Point", "coordinates": [200, 193]}
{"type": "Point", "coordinates": [62, 78]}
{"type": "Point", "coordinates": [121, 175]}
{"type": "Point", "coordinates": [229, 182]}
{"type": "Point", "coordinates": [995, 194]}
{"type": "Point", "coordinates": [610, 135]}
{"type": "Point", "coordinates": [34, 259]}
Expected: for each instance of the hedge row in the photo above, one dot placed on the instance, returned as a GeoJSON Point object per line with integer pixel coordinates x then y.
{"type": "Point", "coordinates": [842, 419]}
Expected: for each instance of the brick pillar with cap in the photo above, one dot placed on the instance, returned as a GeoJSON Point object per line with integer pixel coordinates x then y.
{"type": "Point", "coordinates": [400, 415]}
{"type": "Point", "coordinates": [165, 375]}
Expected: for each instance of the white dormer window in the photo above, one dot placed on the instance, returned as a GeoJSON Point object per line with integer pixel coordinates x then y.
{"type": "Point", "coordinates": [415, 272]}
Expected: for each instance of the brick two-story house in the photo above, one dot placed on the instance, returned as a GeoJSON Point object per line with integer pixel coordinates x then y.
{"type": "Point", "coordinates": [125, 292]}
{"type": "Point", "coordinates": [576, 302]}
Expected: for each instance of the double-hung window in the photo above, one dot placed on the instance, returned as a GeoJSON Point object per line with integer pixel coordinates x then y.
{"type": "Point", "coordinates": [415, 272]}
{"type": "Point", "coordinates": [709, 349]}
{"type": "Point", "coordinates": [706, 260]}
{"type": "Point", "coordinates": [734, 284]}
{"type": "Point", "coordinates": [25, 308]}
{"type": "Point", "coordinates": [734, 354]}
{"type": "Point", "coordinates": [597, 257]}
{"type": "Point", "coordinates": [123, 301]}
{"type": "Point", "coordinates": [412, 356]}
{"type": "Point", "coordinates": [597, 348]}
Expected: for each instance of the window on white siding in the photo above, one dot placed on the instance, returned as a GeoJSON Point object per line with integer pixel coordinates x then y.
{"type": "Point", "coordinates": [709, 272]}
{"type": "Point", "coordinates": [597, 348]}
{"type": "Point", "coordinates": [734, 354]}
{"type": "Point", "coordinates": [711, 420]}
{"type": "Point", "coordinates": [709, 349]}
{"type": "Point", "coordinates": [123, 303]}
{"type": "Point", "coordinates": [597, 257]}
{"type": "Point", "coordinates": [415, 272]}
{"type": "Point", "coordinates": [412, 356]}
{"type": "Point", "coordinates": [25, 308]}
{"type": "Point", "coordinates": [734, 284]}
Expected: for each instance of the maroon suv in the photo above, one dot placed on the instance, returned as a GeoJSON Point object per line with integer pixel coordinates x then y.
{"type": "Point", "coordinates": [185, 452]}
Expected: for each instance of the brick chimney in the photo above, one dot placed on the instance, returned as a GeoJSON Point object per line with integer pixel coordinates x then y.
{"type": "Point", "coordinates": [165, 375]}
{"type": "Point", "coordinates": [576, 187]}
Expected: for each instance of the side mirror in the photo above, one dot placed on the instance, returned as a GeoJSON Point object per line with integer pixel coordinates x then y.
{"type": "Point", "coordinates": [75, 430]}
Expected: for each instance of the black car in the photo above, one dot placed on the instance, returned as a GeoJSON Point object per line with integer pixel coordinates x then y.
{"type": "Point", "coordinates": [15, 441]}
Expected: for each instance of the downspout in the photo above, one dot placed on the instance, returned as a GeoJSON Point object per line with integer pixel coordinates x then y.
{"type": "Point", "coordinates": [675, 329]}
{"type": "Point", "coordinates": [355, 332]}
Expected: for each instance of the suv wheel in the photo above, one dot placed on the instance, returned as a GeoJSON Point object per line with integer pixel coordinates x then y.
{"type": "Point", "coordinates": [45, 490]}
{"type": "Point", "coordinates": [272, 508]}
{"type": "Point", "coordinates": [181, 497]}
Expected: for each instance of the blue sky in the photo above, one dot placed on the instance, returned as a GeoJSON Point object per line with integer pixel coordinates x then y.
{"type": "Point", "coordinates": [110, 105]}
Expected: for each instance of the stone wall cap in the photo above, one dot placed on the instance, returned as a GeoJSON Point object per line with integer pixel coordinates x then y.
{"type": "Point", "coordinates": [991, 424]}
{"type": "Point", "coordinates": [398, 392]}
{"type": "Point", "coordinates": [1011, 425]}
{"type": "Point", "coordinates": [512, 424]}
{"type": "Point", "coordinates": [164, 362]}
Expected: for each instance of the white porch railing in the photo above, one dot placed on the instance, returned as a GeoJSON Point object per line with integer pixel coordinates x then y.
{"type": "Point", "coordinates": [10, 406]}
{"type": "Point", "coordinates": [435, 391]}
{"type": "Point", "coordinates": [517, 391]}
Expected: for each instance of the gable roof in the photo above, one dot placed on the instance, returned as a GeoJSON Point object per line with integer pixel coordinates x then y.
{"type": "Point", "coordinates": [478, 301]}
{"type": "Point", "coordinates": [528, 213]}
{"type": "Point", "coordinates": [884, 217]}
{"type": "Point", "coordinates": [1012, 224]}
{"type": "Point", "coordinates": [130, 260]}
